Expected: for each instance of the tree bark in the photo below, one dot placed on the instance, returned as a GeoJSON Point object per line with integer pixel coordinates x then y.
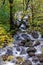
{"type": "Point", "coordinates": [11, 15]}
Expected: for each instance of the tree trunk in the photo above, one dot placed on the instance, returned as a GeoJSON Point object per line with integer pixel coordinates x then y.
{"type": "Point", "coordinates": [11, 15]}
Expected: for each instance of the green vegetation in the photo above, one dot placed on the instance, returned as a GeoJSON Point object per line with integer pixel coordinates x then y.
{"type": "Point", "coordinates": [35, 13]}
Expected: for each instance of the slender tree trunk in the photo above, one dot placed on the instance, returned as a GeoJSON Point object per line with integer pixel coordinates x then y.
{"type": "Point", "coordinates": [3, 2]}
{"type": "Point", "coordinates": [11, 15]}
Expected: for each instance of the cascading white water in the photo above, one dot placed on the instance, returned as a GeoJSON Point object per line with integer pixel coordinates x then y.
{"type": "Point", "coordinates": [23, 50]}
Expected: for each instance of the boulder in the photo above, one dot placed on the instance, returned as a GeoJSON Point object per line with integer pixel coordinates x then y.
{"type": "Point", "coordinates": [31, 49]}
{"type": "Point", "coordinates": [23, 27]}
{"type": "Point", "coordinates": [35, 59]}
{"type": "Point", "coordinates": [31, 54]}
{"type": "Point", "coordinates": [37, 43]}
{"type": "Point", "coordinates": [22, 43]}
{"type": "Point", "coordinates": [4, 57]}
{"type": "Point", "coordinates": [40, 57]}
{"type": "Point", "coordinates": [35, 34]}
{"type": "Point", "coordinates": [9, 52]}
{"type": "Point", "coordinates": [29, 44]}
{"type": "Point", "coordinates": [17, 48]}
{"type": "Point", "coordinates": [25, 36]}
{"type": "Point", "coordinates": [19, 60]}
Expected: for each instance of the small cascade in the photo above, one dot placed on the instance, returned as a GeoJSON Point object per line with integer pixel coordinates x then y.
{"type": "Point", "coordinates": [27, 49]}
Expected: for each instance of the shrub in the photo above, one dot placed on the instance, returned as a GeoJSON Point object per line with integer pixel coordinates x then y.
{"type": "Point", "coordinates": [5, 37]}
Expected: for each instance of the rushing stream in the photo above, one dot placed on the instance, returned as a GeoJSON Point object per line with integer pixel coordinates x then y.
{"type": "Point", "coordinates": [26, 49]}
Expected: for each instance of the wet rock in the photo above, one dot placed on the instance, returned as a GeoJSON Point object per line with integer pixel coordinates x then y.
{"type": "Point", "coordinates": [35, 59]}
{"type": "Point", "coordinates": [18, 38]}
{"type": "Point", "coordinates": [37, 43]}
{"type": "Point", "coordinates": [23, 51]}
{"type": "Point", "coordinates": [22, 43]}
{"type": "Point", "coordinates": [17, 48]}
{"type": "Point", "coordinates": [23, 27]}
{"type": "Point", "coordinates": [4, 57]}
{"type": "Point", "coordinates": [29, 44]}
{"type": "Point", "coordinates": [31, 49]}
{"type": "Point", "coordinates": [10, 58]}
{"type": "Point", "coordinates": [35, 34]}
{"type": "Point", "coordinates": [9, 52]}
{"type": "Point", "coordinates": [31, 54]}
{"type": "Point", "coordinates": [40, 58]}
{"type": "Point", "coordinates": [19, 60]}
{"type": "Point", "coordinates": [27, 62]}
{"type": "Point", "coordinates": [25, 36]}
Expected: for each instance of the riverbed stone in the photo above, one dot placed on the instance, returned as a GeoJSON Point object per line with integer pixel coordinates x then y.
{"type": "Point", "coordinates": [31, 54]}
{"type": "Point", "coordinates": [37, 43]}
{"type": "Point", "coordinates": [31, 49]}
{"type": "Point", "coordinates": [35, 34]}
{"type": "Point", "coordinates": [25, 36]}
{"type": "Point", "coordinates": [4, 57]}
{"type": "Point", "coordinates": [22, 43]}
{"type": "Point", "coordinates": [9, 52]}
{"type": "Point", "coordinates": [40, 58]}
{"type": "Point", "coordinates": [20, 59]}
{"type": "Point", "coordinates": [35, 59]}
{"type": "Point", "coordinates": [29, 44]}
{"type": "Point", "coordinates": [18, 48]}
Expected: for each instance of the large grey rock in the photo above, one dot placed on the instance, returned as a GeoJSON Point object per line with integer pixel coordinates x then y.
{"type": "Point", "coordinates": [37, 43]}
{"type": "Point", "coordinates": [40, 58]}
{"type": "Point", "coordinates": [31, 54]}
{"type": "Point", "coordinates": [23, 27]}
{"type": "Point", "coordinates": [31, 49]}
{"type": "Point", "coordinates": [25, 36]}
{"type": "Point", "coordinates": [22, 43]}
{"type": "Point", "coordinates": [35, 59]}
{"type": "Point", "coordinates": [18, 48]}
{"type": "Point", "coordinates": [9, 51]}
{"type": "Point", "coordinates": [35, 34]}
{"type": "Point", "coordinates": [29, 44]}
